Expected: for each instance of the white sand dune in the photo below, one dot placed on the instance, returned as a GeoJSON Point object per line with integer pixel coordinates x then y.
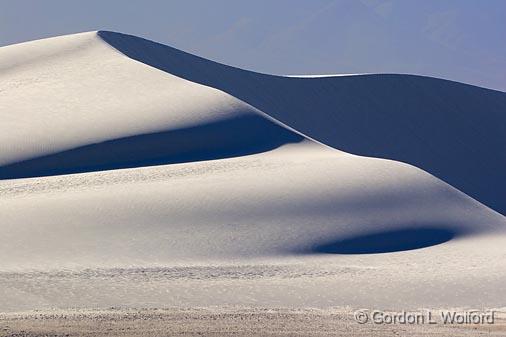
{"type": "Point", "coordinates": [134, 174]}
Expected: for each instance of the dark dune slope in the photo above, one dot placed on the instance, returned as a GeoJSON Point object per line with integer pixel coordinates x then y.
{"type": "Point", "coordinates": [455, 131]}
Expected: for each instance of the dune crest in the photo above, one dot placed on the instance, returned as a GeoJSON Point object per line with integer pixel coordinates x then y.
{"type": "Point", "coordinates": [452, 130]}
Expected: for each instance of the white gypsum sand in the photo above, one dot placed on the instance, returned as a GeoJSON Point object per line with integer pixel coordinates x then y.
{"type": "Point", "coordinates": [127, 185]}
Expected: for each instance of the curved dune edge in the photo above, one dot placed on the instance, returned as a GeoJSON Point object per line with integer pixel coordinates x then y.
{"type": "Point", "coordinates": [112, 113]}
{"type": "Point", "coordinates": [270, 226]}
{"type": "Point", "coordinates": [452, 130]}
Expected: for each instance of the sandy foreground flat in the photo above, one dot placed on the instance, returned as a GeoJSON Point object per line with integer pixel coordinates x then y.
{"type": "Point", "coordinates": [225, 322]}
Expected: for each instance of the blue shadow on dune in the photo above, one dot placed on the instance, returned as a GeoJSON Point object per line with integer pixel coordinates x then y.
{"type": "Point", "coordinates": [388, 241]}
{"type": "Point", "coordinates": [455, 131]}
{"type": "Point", "coordinates": [238, 136]}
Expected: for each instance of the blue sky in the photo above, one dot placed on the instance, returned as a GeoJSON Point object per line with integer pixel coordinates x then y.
{"type": "Point", "coordinates": [461, 40]}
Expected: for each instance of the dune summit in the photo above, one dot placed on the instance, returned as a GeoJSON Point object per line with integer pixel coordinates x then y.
{"type": "Point", "coordinates": [157, 178]}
